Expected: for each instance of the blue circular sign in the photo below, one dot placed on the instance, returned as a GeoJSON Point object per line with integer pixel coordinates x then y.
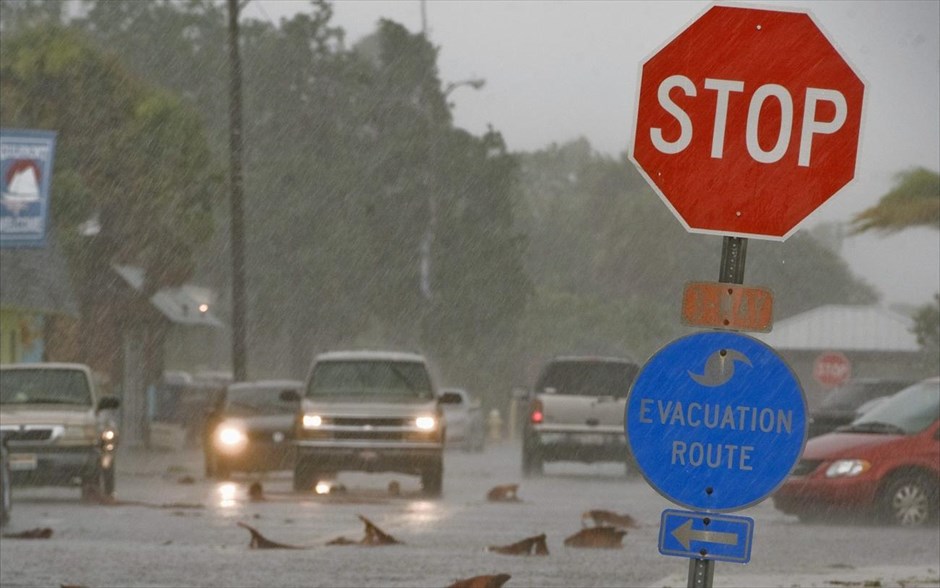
{"type": "Point", "coordinates": [716, 421]}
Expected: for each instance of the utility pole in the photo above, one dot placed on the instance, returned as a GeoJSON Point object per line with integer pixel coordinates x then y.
{"type": "Point", "coordinates": [424, 18]}
{"type": "Point", "coordinates": [236, 182]}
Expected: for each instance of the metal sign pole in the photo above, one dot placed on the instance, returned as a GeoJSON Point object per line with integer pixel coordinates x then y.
{"type": "Point", "coordinates": [701, 573]}
{"type": "Point", "coordinates": [733, 254]}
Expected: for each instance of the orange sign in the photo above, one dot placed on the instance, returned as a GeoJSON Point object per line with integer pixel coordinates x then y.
{"type": "Point", "coordinates": [732, 307]}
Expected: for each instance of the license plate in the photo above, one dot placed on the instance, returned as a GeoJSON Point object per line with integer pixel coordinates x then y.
{"type": "Point", "coordinates": [20, 462]}
{"type": "Point", "coordinates": [590, 439]}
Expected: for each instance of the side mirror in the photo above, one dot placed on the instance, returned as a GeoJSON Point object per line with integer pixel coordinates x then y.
{"type": "Point", "coordinates": [289, 396]}
{"type": "Point", "coordinates": [109, 403]}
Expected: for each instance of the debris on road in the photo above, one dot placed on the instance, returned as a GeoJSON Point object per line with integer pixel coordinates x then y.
{"type": "Point", "coordinates": [534, 545]}
{"type": "Point", "coordinates": [259, 541]}
{"type": "Point", "coordinates": [608, 518]}
{"type": "Point", "coordinates": [484, 581]}
{"type": "Point", "coordinates": [597, 537]}
{"type": "Point", "coordinates": [504, 493]}
{"type": "Point", "coordinates": [38, 533]}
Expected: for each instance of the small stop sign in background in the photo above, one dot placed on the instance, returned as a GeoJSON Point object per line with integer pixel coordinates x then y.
{"type": "Point", "coordinates": [747, 121]}
{"type": "Point", "coordinates": [832, 369]}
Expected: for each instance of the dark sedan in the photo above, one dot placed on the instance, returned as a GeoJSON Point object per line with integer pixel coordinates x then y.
{"type": "Point", "coordinates": [251, 429]}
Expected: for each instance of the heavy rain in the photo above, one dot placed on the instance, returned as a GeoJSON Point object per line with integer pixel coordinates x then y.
{"type": "Point", "coordinates": [352, 293]}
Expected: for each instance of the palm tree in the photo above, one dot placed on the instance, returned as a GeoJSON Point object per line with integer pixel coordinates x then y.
{"type": "Point", "coordinates": [914, 201]}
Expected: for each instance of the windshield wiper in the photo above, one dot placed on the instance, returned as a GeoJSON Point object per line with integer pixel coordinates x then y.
{"type": "Point", "coordinates": [872, 427]}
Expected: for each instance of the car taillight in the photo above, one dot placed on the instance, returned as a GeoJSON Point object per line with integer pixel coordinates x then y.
{"type": "Point", "coordinates": [535, 412]}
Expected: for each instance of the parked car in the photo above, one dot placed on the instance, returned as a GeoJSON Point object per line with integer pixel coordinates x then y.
{"type": "Point", "coordinates": [841, 405]}
{"type": "Point", "coordinates": [65, 429]}
{"type": "Point", "coordinates": [463, 418]}
{"type": "Point", "coordinates": [251, 429]}
{"type": "Point", "coordinates": [885, 463]}
{"type": "Point", "coordinates": [370, 411]}
{"type": "Point", "coordinates": [576, 413]}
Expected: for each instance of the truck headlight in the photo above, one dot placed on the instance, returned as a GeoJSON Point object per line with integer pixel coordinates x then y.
{"type": "Point", "coordinates": [846, 468]}
{"type": "Point", "coordinates": [426, 423]}
{"type": "Point", "coordinates": [312, 421]}
{"type": "Point", "coordinates": [229, 437]}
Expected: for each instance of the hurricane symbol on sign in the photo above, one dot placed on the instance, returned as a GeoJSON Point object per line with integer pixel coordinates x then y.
{"type": "Point", "coordinates": [719, 367]}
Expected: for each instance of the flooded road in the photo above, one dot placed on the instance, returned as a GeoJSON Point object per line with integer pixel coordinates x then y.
{"type": "Point", "coordinates": [172, 527]}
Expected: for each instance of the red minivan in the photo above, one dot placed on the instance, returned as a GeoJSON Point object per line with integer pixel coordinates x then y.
{"type": "Point", "coordinates": [885, 463]}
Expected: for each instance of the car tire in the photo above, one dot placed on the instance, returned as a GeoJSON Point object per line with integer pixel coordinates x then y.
{"type": "Point", "coordinates": [305, 475]}
{"type": "Point", "coordinates": [209, 464]}
{"type": "Point", "coordinates": [432, 479]}
{"type": "Point", "coordinates": [99, 485]}
{"type": "Point", "coordinates": [107, 480]}
{"type": "Point", "coordinates": [533, 462]}
{"type": "Point", "coordinates": [909, 500]}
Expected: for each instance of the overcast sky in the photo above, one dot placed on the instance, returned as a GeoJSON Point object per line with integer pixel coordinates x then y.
{"type": "Point", "coordinates": [563, 69]}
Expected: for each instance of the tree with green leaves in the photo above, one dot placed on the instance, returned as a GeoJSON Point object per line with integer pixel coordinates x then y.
{"type": "Point", "coordinates": [913, 202]}
{"type": "Point", "coordinates": [128, 154]}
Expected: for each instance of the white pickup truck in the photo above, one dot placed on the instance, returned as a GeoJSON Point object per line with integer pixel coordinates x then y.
{"type": "Point", "coordinates": [576, 413]}
{"type": "Point", "coordinates": [61, 430]}
{"type": "Point", "coordinates": [369, 411]}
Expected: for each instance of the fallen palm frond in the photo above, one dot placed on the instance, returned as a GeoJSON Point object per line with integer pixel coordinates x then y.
{"type": "Point", "coordinates": [597, 537]}
{"type": "Point", "coordinates": [259, 541]}
{"type": "Point", "coordinates": [484, 581]}
{"type": "Point", "coordinates": [534, 545]}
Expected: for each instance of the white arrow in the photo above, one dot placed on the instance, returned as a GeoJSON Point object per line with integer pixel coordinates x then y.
{"type": "Point", "coordinates": [684, 534]}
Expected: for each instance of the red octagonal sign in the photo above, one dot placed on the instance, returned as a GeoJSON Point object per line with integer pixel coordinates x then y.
{"type": "Point", "coordinates": [747, 121]}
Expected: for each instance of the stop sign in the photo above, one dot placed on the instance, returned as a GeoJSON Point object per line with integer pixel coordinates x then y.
{"type": "Point", "coordinates": [832, 369]}
{"type": "Point", "coordinates": [747, 121]}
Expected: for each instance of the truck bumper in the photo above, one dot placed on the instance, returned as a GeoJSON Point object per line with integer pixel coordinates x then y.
{"type": "Point", "coordinates": [411, 459]}
{"type": "Point", "coordinates": [582, 447]}
{"type": "Point", "coordinates": [52, 466]}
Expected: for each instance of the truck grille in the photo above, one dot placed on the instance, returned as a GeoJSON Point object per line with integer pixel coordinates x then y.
{"type": "Point", "coordinates": [32, 433]}
{"type": "Point", "coordinates": [368, 422]}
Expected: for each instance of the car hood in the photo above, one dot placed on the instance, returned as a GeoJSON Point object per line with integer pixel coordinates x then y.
{"type": "Point", "coordinates": [837, 445]}
{"type": "Point", "coordinates": [47, 415]}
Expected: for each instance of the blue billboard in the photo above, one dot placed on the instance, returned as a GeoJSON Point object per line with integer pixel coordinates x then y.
{"type": "Point", "coordinates": [25, 178]}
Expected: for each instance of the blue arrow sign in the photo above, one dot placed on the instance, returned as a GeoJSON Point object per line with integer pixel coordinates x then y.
{"type": "Point", "coordinates": [716, 421]}
{"type": "Point", "coordinates": [706, 536]}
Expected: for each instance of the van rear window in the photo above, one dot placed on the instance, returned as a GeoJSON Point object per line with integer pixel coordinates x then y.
{"type": "Point", "coordinates": [588, 378]}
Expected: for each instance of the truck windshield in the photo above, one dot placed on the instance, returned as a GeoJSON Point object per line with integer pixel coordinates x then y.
{"type": "Point", "coordinates": [588, 378]}
{"type": "Point", "coordinates": [369, 379]}
{"type": "Point", "coordinates": [44, 386]}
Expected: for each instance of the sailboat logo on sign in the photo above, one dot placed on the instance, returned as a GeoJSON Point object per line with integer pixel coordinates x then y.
{"type": "Point", "coordinates": [21, 181]}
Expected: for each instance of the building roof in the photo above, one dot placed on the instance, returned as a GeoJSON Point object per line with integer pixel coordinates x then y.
{"type": "Point", "coordinates": [844, 328]}
{"type": "Point", "coordinates": [179, 305]}
{"type": "Point", "coordinates": [36, 279]}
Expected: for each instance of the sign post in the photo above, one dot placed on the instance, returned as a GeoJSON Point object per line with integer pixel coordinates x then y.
{"type": "Point", "coordinates": [715, 421]}
{"type": "Point", "coordinates": [747, 121]}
